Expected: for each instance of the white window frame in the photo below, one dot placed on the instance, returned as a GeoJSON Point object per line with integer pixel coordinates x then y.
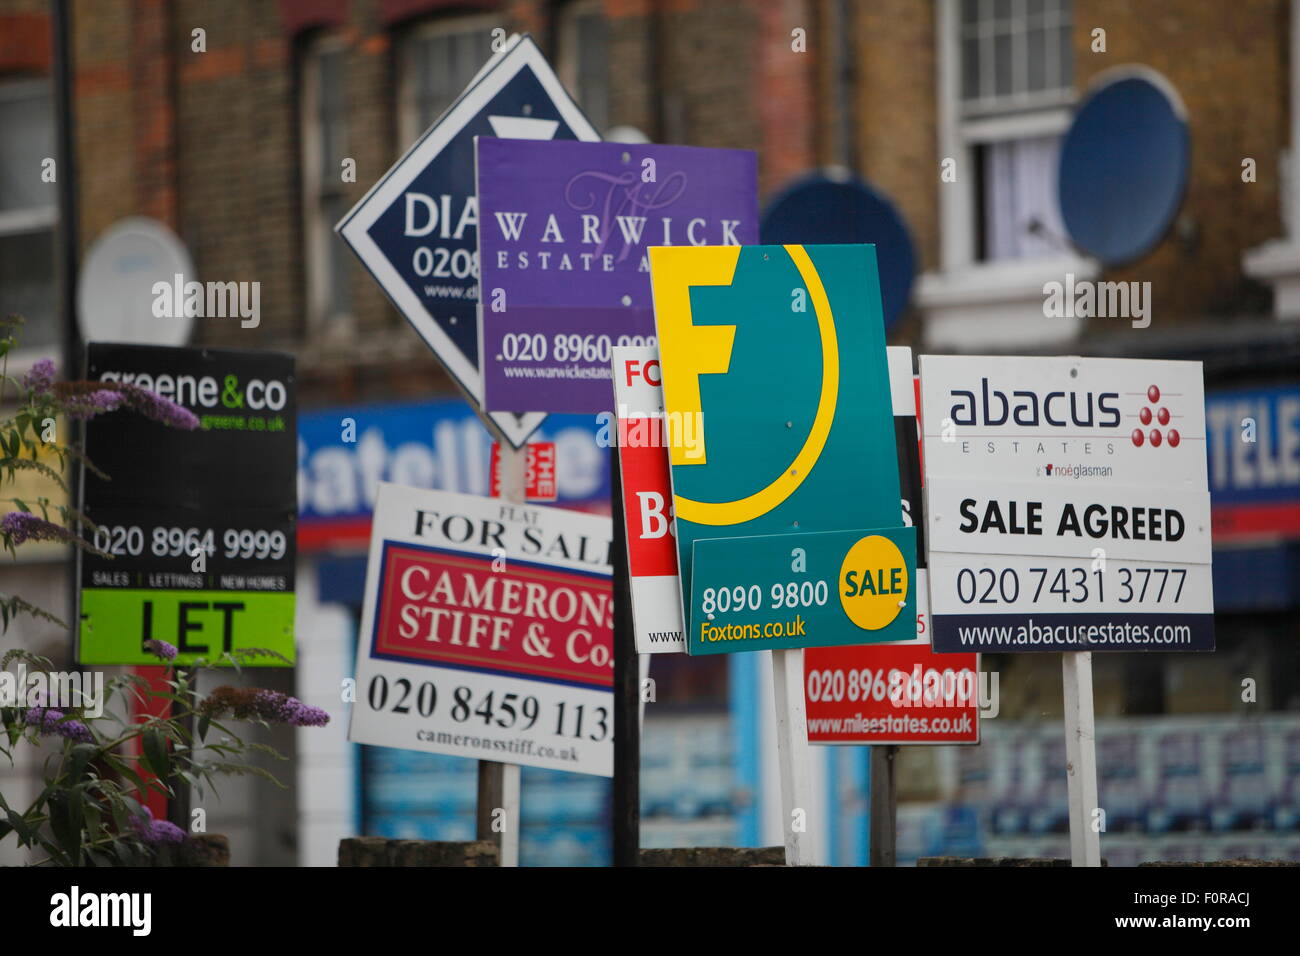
{"type": "Point", "coordinates": [408, 123]}
{"type": "Point", "coordinates": [969, 303]}
{"type": "Point", "coordinates": [1277, 261]}
{"type": "Point", "coordinates": [24, 221]}
{"type": "Point", "coordinates": [1026, 100]}
{"type": "Point", "coordinates": [316, 231]}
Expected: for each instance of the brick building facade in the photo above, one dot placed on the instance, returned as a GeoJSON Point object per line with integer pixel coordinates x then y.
{"type": "Point", "coordinates": [231, 120]}
{"type": "Point", "coordinates": [211, 133]}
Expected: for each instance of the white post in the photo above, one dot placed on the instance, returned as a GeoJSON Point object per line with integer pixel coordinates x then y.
{"type": "Point", "coordinates": [643, 667]}
{"type": "Point", "coordinates": [1081, 758]}
{"type": "Point", "coordinates": [510, 803]}
{"type": "Point", "coordinates": [498, 783]}
{"type": "Point", "coordinates": [794, 764]}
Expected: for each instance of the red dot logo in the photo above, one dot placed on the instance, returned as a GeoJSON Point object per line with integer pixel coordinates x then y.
{"type": "Point", "coordinates": [1174, 438]}
{"type": "Point", "coordinates": [1153, 393]}
{"type": "Point", "coordinates": [1155, 438]}
{"type": "Point", "coordinates": [1138, 437]}
{"type": "Point", "coordinates": [1144, 416]}
{"type": "Point", "coordinates": [1162, 416]}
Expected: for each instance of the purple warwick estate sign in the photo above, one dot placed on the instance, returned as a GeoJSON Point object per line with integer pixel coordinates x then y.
{"type": "Point", "coordinates": [564, 229]}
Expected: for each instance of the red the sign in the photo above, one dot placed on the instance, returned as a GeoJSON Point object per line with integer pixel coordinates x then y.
{"type": "Point", "coordinates": [647, 506]}
{"type": "Point", "coordinates": [487, 614]}
{"type": "Point", "coordinates": [891, 694]}
{"type": "Point", "coordinates": [539, 471]}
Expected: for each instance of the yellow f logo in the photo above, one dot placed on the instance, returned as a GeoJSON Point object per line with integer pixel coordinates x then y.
{"type": "Point", "coordinates": [690, 350]}
{"type": "Point", "coordinates": [687, 351]}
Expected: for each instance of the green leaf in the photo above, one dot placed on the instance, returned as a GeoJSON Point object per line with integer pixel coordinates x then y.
{"type": "Point", "coordinates": [65, 821]}
{"type": "Point", "coordinates": [155, 753]}
{"type": "Point", "coordinates": [20, 827]}
{"type": "Point", "coordinates": [81, 756]}
{"type": "Point", "coordinates": [94, 820]}
{"type": "Point", "coordinates": [135, 778]}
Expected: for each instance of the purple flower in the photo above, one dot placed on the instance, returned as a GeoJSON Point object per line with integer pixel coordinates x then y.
{"type": "Point", "coordinates": [160, 649]}
{"type": "Point", "coordinates": [256, 703]}
{"type": "Point", "coordinates": [50, 721]}
{"type": "Point", "coordinates": [23, 526]}
{"type": "Point", "coordinates": [81, 407]}
{"type": "Point", "coordinates": [152, 405]}
{"type": "Point", "coordinates": [281, 708]}
{"type": "Point", "coordinates": [156, 832]}
{"type": "Point", "coordinates": [40, 379]}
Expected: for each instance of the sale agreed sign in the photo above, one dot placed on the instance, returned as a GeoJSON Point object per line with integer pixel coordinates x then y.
{"type": "Point", "coordinates": [647, 501]}
{"type": "Point", "coordinates": [566, 228]}
{"type": "Point", "coordinates": [781, 446]}
{"type": "Point", "coordinates": [900, 693]}
{"type": "Point", "coordinates": [1067, 504]}
{"type": "Point", "coordinates": [487, 632]}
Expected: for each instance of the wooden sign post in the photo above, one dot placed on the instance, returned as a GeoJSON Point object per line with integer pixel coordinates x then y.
{"type": "Point", "coordinates": [1081, 759]}
{"type": "Point", "coordinates": [794, 763]}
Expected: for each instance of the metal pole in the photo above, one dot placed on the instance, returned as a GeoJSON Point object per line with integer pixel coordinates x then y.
{"type": "Point", "coordinates": [498, 783]}
{"type": "Point", "coordinates": [626, 821]}
{"type": "Point", "coordinates": [884, 805]}
{"type": "Point", "coordinates": [846, 85]}
{"type": "Point", "coordinates": [66, 181]}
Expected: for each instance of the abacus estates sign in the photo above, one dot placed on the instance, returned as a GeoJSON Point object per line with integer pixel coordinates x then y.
{"type": "Point", "coordinates": [487, 632]}
{"type": "Point", "coordinates": [1067, 504]}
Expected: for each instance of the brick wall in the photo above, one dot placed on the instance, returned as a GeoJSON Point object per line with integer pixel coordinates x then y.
{"type": "Point", "coordinates": [208, 142]}
{"type": "Point", "coordinates": [1229, 62]}
{"type": "Point", "coordinates": [895, 109]}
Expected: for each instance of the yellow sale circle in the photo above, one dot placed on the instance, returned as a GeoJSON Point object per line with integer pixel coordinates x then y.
{"type": "Point", "coordinates": [873, 582]}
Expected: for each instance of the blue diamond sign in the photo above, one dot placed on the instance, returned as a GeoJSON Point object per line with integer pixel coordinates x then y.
{"type": "Point", "coordinates": [416, 230]}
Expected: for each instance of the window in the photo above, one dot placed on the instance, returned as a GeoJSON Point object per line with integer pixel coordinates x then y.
{"type": "Point", "coordinates": [28, 210]}
{"type": "Point", "coordinates": [584, 59]}
{"type": "Point", "coordinates": [1005, 91]}
{"type": "Point", "coordinates": [329, 305]}
{"type": "Point", "coordinates": [1015, 54]}
{"type": "Point", "coordinates": [438, 60]}
{"type": "Point", "coordinates": [1015, 85]}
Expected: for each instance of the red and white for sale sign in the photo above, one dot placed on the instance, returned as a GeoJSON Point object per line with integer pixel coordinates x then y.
{"type": "Point", "coordinates": [487, 632]}
{"type": "Point", "coordinates": [647, 501]}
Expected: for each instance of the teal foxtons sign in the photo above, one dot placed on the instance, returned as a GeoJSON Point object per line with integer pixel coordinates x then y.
{"type": "Point", "coordinates": [803, 590]}
{"type": "Point", "coordinates": [776, 394]}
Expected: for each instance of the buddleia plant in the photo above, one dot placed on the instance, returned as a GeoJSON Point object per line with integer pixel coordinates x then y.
{"type": "Point", "coordinates": [102, 758]}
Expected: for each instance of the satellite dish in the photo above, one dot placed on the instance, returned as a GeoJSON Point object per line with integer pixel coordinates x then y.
{"type": "Point", "coordinates": [1124, 165]}
{"type": "Point", "coordinates": [626, 134]}
{"type": "Point", "coordinates": [115, 289]}
{"type": "Point", "coordinates": [833, 206]}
